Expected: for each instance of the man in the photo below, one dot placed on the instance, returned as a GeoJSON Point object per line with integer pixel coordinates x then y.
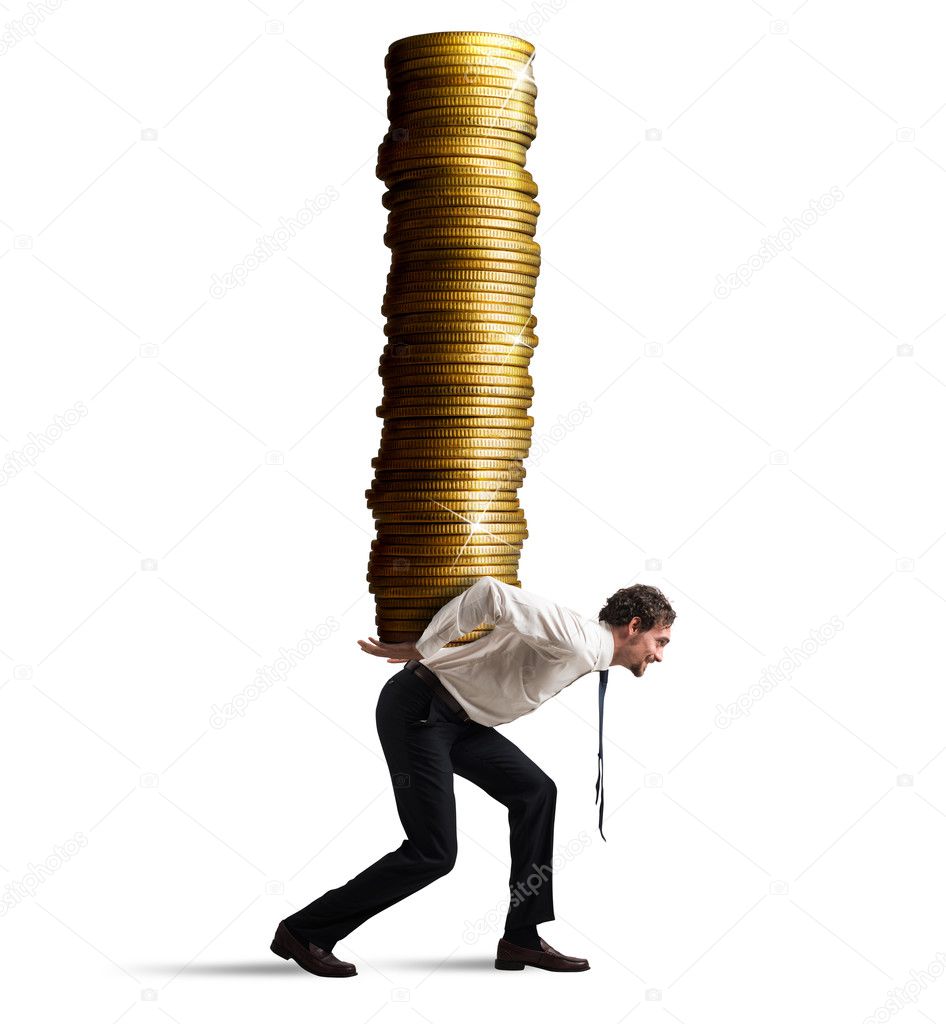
{"type": "Point", "coordinates": [436, 718]}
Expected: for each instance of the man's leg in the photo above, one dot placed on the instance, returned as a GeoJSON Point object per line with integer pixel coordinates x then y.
{"type": "Point", "coordinates": [422, 775]}
{"type": "Point", "coordinates": [495, 764]}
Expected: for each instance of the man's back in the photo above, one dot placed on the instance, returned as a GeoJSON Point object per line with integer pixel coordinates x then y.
{"type": "Point", "coordinates": [537, 648]}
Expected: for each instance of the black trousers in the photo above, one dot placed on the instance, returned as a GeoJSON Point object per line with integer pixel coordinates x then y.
{"type": "Point", "coordinates": [424, 745]}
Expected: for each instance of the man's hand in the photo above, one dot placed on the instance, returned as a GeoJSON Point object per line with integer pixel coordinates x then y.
{"type": "Point", "coordinates": [393, 652]}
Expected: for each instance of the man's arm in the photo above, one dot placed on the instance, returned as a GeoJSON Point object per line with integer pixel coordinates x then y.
{"type": "Point", "coordinates": [541, 623]}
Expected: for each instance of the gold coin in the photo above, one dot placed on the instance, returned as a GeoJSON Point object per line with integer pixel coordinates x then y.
{"type": "Point", "coordinates": [393, 169]}
{"type": "Point", "coordinates": [395, 431]}
{"type": "Point", "coordinates": [514, 179]}
{"type": "Point", "coordinates": [501, 560]}
{"type": "Point", "coordinates": [445, 375]}
{"type": "Point", "coordinates": [462, 67]}
{"type": "Point", "coordinates": [429, 500]}
{"type": "Point", "coordinates": [451, 481]}
{"type": "Point", "coordinates": [459, 291]}
{"type": "Point", "coordinates": [447, 478]}
{"type": "Point", "coordinates": [466, 70]}
{"type": "Point", "coordinates": [449, 588]}
{"type": "Point", "coordinates": [401, 107]}
{"type": "Point", "coordinates": [432, 248]}
{"type": "Point", "coordinates": [470, 383]}
{"type": "Point", "coordinates": [456, 38]}
{"type": "Point", "coordinates": [497, 92]}
{"type": "Point", "coordinates": [455, 227]}
{"type": "Point", "coordinates": [454, 405]}
{"type": "Point", "coordinates": [445, 154]}
{"type": "Point", "coordinates": [446, 391]}
{"type": "Point", "coordinates": [463, 83]}
{"type": "Point", "coordinates": [464, 216]}
{"type": "Point", "coordinates": [434, 574]}
{"type": "Point", "coordinates": [457, 118]}
{"type": "Point", "coordinates": [445, 592]}
{"type": "Point", "coordinates": [415, 214]}
{"type": "Point", "coordinates": [417, 300]}
{"type": "Point", "coordinates": [520, 424]}
{"type": "Point", "coordinates": [459, 318]}
{"type": "Point", "coordinates": [453, 358]}
{"type": "Point", "coordinates": [523, 91]}
{"type": "Point", "coordinates": [469, 134]}
{"type": "Point", "coordinates": [505, 533]}
{"type": "Point", "coordinates": [424, 263]}
{"type": "Point", "coordinates": [467, 234]}
{"type": "Point", "coordinates": [458, 278]}
{"type": "Point", "coordinates": [481, 518]}
{"type": "Point", "coordinates": [453, 319]}
{"type": "Point", "coordinates": [449, 348]}
{"type": "Point", "coordinates": [440, 374]}
{"type": "Point", "coordinates": [480, 405]}
{"type": "Point", "coordinates": [446, 545]}
{"type": "Point", "coordinates": [462, 332]}
{"type": "Point", "coordinates": [459, 548]}
{"type": "Point", "coordinates": [425, 488]}
{"type": "Point", "coordinates": [406, 564]}
{"type": "Point", "coordinates": [470, 309]}
{"type": "Point", "coordinates": [404, 567]}
{"type": "Point", "coordinates": [478, 309]}
{"type": "Point", "coordinates": [486, 58]}
{"type": "Point", "coordinates": [468, 447]}
{"type": "Point", "coordinates": [441, 151]}
{"type": "Point", "coordinates": [424, 202]}
{"type": "Point", "coordinates": [518, 94]}
{"type": "Point", "coordinates": [472, 446]}
{"type": "Point", "coordinates": [431, 268]}
{"type": "Point", "coordinates": [470, 115]}
{"type": "Point", "coordinates": [494, 365]}
{"type": "Point", "coordinates": [430, 285]}
{"type": "Point", "coordinates": [441, 463]}
{"type": "Point", "coordinates": [479, 195]}
{"type": "Point", "coordinates": [460, 505]}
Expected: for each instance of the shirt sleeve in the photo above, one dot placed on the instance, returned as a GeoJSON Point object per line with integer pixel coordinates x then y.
{"type": "Point", "coordinates": [544, 625]}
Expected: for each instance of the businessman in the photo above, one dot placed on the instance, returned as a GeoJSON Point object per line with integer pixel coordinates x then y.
{"type": "Point", "coordinates": [436, 718]}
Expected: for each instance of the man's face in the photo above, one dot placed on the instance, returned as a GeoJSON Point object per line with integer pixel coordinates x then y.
{"type": "Point", "coordinates": [645, 647]}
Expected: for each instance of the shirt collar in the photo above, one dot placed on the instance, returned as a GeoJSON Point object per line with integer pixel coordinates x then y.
{"type": "Point", "coordinates": [607, 647]}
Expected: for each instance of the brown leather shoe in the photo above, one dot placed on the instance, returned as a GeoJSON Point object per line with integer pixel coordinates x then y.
{"type": "Point", "coordinates": [514, 958]}
{"type": "Point", "coordinates": [309, 956]}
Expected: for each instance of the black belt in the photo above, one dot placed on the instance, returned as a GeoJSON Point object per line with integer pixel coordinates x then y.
{"type": "Point", "coordinates": [439, 690]}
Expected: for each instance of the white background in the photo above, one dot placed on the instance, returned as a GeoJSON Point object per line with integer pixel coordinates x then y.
{"type": "Point", "coordinates": [770, 458]}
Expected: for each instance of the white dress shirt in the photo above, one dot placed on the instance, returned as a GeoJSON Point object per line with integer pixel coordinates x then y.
{"type": "Point", "coordinates": [536, 649]}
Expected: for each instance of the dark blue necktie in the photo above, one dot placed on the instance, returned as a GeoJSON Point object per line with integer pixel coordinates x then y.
{"type": "Point", "coordinates": [602, 686]}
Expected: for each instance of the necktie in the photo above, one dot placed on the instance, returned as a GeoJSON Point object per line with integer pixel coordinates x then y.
{"type": "Point", "coordinates": [602, 686]}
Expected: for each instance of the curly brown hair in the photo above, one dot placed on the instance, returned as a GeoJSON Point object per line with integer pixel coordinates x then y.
{"type": "Point", "coordinates": [641, 600]}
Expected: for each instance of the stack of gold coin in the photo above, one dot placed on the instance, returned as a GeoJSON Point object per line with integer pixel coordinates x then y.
{"type": "Point", "coordinates": [460, 329]}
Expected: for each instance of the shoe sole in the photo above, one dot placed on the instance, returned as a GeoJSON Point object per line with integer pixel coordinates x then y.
{"type": "Point", "coordinates": [286, 955]}
{"type": "Point", "coordinates": [518, 965]}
